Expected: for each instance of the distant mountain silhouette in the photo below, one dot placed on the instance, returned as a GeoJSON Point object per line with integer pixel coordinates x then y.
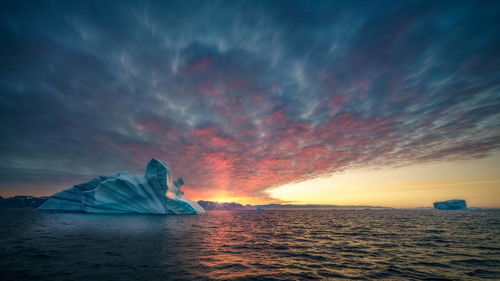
{"type": "Point", "coordinates": [22, 201]}
{"type": "Point", "coordinates": [209, 205]}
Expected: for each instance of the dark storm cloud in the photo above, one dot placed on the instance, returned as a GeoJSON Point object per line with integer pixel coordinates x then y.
{"type": "Point", "coordinates": [242, 95]}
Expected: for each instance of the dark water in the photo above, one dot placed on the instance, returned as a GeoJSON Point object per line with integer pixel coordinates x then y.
{"type": "Point", "coordinates": [251, 245]}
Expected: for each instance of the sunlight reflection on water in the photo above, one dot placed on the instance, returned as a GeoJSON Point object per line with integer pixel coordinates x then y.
{"type": "Point", "coordinates": [250, 245]}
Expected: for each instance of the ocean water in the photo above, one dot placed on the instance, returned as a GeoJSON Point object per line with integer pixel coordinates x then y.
{"type": "Point", "coordinates": [252, 245]}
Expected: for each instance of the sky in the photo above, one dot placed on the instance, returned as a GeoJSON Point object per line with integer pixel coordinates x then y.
{"type": "Point", "coordinates": [393, 103]}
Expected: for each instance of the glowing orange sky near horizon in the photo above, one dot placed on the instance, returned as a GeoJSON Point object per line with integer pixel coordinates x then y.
{"type": "Point", "coordinates": [477, 181]}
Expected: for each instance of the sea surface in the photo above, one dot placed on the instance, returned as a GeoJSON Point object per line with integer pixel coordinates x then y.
{"type": "Point", "coordinates": [252, 245]}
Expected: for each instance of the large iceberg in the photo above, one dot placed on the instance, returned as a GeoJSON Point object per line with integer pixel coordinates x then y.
{"type": "Point", "coordinates": [153, 193]}
{"type": "Point", "coordinates": [455, 204]}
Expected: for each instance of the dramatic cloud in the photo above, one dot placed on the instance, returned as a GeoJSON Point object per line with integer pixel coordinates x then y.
{"type": "Point", "coordinates": [240, 96]}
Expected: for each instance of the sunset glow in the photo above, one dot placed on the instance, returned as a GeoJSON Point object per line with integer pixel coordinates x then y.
{"type": "Point", "coordinates": [410, 186]}
{"type": "Point", "coordinates": [256, 102]}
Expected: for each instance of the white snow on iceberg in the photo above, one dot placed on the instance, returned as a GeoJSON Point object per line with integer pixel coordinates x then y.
{"type": "Point", "coordinates": [153, 193]}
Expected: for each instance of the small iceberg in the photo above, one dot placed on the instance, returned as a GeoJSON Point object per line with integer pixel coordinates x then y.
{"type": "Point", "coordinates": [153, 193]}
{"type": "Point", "coordinates": [455, 204]}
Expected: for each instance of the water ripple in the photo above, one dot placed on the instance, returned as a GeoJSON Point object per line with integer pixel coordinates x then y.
{"type": "Point", "coordinates": [250, 245]}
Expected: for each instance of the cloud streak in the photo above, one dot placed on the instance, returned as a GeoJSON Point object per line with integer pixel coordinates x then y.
{"type": "Point", "coordinates": [242, 96]}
